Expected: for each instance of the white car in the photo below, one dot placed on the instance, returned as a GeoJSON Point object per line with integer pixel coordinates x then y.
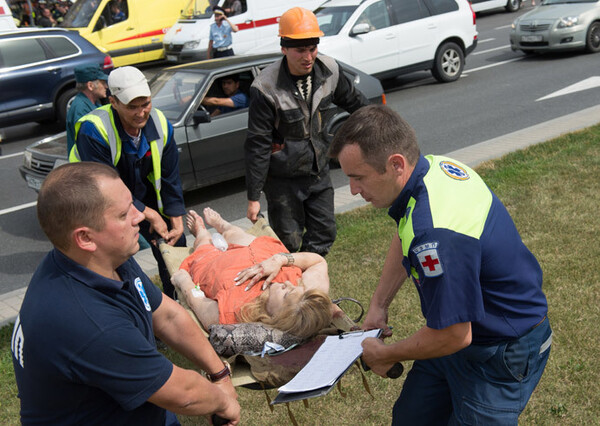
{"type": "Point", "coordinates": [386, 38]}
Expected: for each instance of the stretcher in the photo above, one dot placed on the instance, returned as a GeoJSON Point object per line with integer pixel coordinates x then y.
{"type": "Point", "coordinates": [250, 369]}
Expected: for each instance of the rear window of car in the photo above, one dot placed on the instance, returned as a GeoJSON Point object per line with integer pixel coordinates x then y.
{"type": "Point", "coordinates": [21, 51]}
{"type": "Point", "coordinates": [441, 6]}
{"type": "Point", "coordinates": [408, 10]}
{"type": "Point", "coordinates": [61, 46]}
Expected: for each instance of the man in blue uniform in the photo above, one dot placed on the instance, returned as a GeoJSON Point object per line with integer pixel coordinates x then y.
{"type": "Point", "coordinates": [83, 344]}
{"type": "Point", "coordinates": [138, 141]}
{"type": "Point", "coordinates": [487, 337]}
{"type": "Point", "coordinates": [91, 83]}
{"type": "Point", "coordinates": [219, 39]}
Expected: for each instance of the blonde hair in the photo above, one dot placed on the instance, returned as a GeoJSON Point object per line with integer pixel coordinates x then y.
{"type": "Point", "coordinates": [303, 318]}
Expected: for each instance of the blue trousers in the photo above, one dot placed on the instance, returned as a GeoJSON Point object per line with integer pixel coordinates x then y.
{"type": "Point", "coordinates": [479, 385]}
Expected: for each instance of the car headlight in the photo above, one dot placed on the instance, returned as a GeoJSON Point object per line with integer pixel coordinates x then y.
{"type": "Point", "coordinates": [27, 159]}
{"type": "Point", "coordinates": [568, 21]}
{"type": "Point", "coordinates": [191, 44]}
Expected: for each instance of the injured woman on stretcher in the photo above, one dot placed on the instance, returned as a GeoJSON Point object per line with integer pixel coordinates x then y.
{"type": "Point", "coordinates": [255, 280]}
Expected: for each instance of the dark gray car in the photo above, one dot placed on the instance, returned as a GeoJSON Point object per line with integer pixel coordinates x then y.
{"type": "Point", "coordinates": [211, 149]}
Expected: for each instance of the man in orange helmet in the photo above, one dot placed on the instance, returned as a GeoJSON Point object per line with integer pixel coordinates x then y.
{"type": "Point", "coordinates": [286, 148]}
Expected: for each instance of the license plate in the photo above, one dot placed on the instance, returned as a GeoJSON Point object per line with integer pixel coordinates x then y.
{"type": "Point", "coordinates": [33, 182]}
{"type": "Point", "coordinates": [531, 38]}
{"type": "Point", "coordinates": [171, 58]}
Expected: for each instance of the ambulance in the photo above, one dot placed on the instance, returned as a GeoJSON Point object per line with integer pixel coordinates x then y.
{"type": "Point", "coordinates": [130, 31]}
{"type": "Point", "coordinates": [6, 19]}
{"type": "Point", "coordinates": [187, 40]}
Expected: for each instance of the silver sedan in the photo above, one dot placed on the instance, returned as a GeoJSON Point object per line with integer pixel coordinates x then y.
{"type": "Point", "coordinates": [558, 25]}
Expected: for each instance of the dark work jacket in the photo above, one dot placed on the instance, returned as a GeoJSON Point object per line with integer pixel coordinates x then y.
{"type": "Point", "coordinates": [285, 139]}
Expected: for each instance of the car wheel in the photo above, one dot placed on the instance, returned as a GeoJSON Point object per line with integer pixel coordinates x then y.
{"type": "Point", "coordinates": [592, 40]}
{"type": "Point", "coordinates": [512, 5]}
{"type": "Point", "coordinates": [449, 62]}
{"type": "Point", "coordinates": [63, 104]}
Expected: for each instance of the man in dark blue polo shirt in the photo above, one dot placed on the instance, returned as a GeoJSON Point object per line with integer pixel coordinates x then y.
{"type": "Point", "coordinates": [487, 337]}
{"type": "Point", "coordinates": [83, 345]}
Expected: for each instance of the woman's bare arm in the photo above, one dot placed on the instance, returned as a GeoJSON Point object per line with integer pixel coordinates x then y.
{"type": "Point", "coordinates": [207, 310]}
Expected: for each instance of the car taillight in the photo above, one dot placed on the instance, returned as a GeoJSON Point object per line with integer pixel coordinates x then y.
{"type": "Point", "coordinates": [471, 7]}
{"type": "Point", "coordinates": [108, 63]}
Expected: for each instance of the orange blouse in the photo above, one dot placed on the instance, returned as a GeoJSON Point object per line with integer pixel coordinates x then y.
{"type": "Point", "coordinates": [215, 271]}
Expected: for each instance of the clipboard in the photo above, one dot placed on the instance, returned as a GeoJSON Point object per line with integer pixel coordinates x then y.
{"type": "Point", "coordinates": [326, 367]}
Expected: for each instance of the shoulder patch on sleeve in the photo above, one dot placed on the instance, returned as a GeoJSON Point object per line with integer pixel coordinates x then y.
{"type": "Point", "coordinates": [429, 259]}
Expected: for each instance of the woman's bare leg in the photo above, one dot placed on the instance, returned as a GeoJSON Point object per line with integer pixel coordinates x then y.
{"type": "Point", "coordinates": [232, 234]}
{"type": "Point", "coordinates": [197, 228]}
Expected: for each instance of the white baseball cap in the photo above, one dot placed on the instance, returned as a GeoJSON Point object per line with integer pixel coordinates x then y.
{"type": "Point", "coordinates": [128, 83]}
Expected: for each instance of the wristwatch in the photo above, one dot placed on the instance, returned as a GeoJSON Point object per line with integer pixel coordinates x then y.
{"type": "Point", "coordinates": [289, 257]}
{"type": "Point", "coordinates": [215, 377]}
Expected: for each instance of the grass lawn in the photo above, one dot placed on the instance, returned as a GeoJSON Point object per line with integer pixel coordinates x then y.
{"type": "Point", "coordinates": [552, 191]}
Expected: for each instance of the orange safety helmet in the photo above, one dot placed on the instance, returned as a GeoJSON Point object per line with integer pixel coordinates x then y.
{"type": "Point", "coordinates": [299, 23]}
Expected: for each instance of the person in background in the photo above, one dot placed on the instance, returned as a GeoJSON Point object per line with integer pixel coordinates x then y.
{"type": "Point", "coordinates": [219, 40]}
{"type": "Point", "coordinates": [117, 14]}
{"type": "Point", "coordinates": [235, 98]}
{"type": "Point", "coordinates": [46, 19]}
{"type": "Point", "coordinates": [286, 146]}
{"type": "Point", "coordinates": [232, 7]}
{"type": "Point", "coordinates": [487, 337]}
{"type": "Point", "coordinates": [91, 83]}
{"type": "Point", "coordinates": [83, 345]}
{"type": "Point", "coordinates": [138, 141]}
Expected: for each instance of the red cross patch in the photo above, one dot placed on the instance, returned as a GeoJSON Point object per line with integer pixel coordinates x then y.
{"type": "Point", "coordinates": [430, 262]}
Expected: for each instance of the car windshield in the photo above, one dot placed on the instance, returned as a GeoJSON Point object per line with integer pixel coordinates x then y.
{"type": "Point", "coordinates": [174, 91]}
{"type": "Point", "coordinates": [198, 9]}
{"type": "Point", "coordinates": [332, 19]}
{"type": "Point", "coordinates": [80, 14]}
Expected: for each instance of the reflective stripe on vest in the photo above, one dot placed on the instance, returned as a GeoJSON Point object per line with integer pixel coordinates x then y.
{"type": "Point", "coordinates": [102, 118]}
{"type": "Point", "coordinates": [458, 198]}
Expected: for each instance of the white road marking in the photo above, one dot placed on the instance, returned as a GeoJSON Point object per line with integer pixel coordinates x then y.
{"type": "Point", "coordinates": [507, 46]}
{"type": "Point", "coordinates": [2, 157]}
{"type": "Point", "coordinates": [485, 40]}
{"type": "Point", "coordinates": [587, 84]}
{"type": "Point", "coordinates": [495, 64]}
{"type": "Point", "coordinates": [17, 208]}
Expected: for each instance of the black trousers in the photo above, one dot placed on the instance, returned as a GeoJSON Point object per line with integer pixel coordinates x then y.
{"type": "Point", "coordinates": [223, 54]}
{"type": "Point", "coordinates": [165, 277]}
{"type": "Point", "coordinates": [301, 212]}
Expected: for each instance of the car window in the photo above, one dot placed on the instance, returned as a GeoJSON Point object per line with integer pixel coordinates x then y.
{"type": "Point", "coordinates": [332, 19]}
{"type": "Point", "coordinates": [407, 10]}
{"type": "Point", "coordinates": [21, 51]}
{"type": "Point", "coordinates": [243, 80]}
{"type": "Point", "coordinates": [80, 14]}
{"type": "Point", "coordinates": [437, 7]}
{"type": "Point", "coordinates": [61, 46]}
{"type": "Point", "coordinates": [174, 91]}
{"type": "Point", "coordinates": [376, 15]}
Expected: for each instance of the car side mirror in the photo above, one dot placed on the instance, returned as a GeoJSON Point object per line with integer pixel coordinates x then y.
{"type": "Point", "coordinates": [101, 23]}
{"type": "Point", "coordinates": [201, 116]}
{"type": "Point", "coordinates": [360, 29]}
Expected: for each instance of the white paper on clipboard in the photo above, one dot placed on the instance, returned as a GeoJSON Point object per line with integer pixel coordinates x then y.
{"type": "Point", "coordinates": [329, 363]}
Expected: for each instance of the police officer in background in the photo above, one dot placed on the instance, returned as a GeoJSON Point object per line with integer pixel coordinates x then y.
{"type": "Point", "coordinates": [137, 140]}
{"type": "Point", "coordinates": [286, 147]}
{"type": "Point", "coordinates": [487, 337]}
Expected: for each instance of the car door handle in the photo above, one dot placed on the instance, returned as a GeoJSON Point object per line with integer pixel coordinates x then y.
{"type": "Point", "coordinates": [248, 21]}
{"type": "Point", "coordinates": [53, 70]}
{"type": "Point", "coordinates": [431, 26]}
{"type": "Point", "coordinates": [390, 36]}
{"type": "Point", "coordinates": [129, 29]}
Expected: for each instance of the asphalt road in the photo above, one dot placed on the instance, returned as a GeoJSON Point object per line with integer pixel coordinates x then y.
{"type": "Point", "coordinates": [500, 92]}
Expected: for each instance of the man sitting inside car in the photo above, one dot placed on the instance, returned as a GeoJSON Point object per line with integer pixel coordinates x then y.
{"type": "Point", "coordinates": [235, 98]}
